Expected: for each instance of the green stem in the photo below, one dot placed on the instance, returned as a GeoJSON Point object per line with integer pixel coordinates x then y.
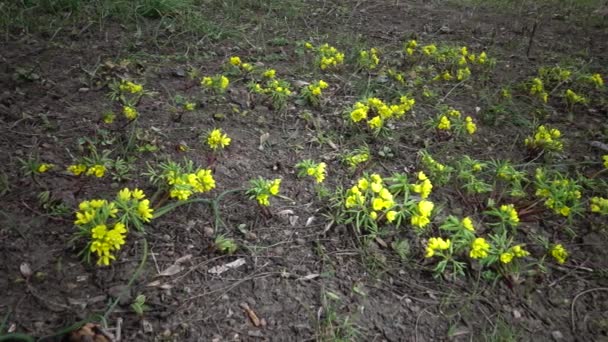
{"type": "Point", "coordinates": [142, 263]}
{"type": "Point", "coordinates": [16, 337]}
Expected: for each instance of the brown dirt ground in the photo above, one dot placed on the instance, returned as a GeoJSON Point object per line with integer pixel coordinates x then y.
{"type": "Point", "coordinates": [395, 301]}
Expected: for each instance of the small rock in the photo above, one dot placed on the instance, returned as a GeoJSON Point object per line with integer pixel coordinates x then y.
{"type": "Point", "coordinates": [516, 314]}
{"type": "Point", "coordinates": [557, 335]}
{"type": "Point", "coordinates": [26, 270]}
{"type": "Point", "coordinates": [179, 72]}
{"type": "Point", "coordinates": [83, 90]}
{"type": "Point", "coordinates": [208, 232]}
{"type": "Point", "coordinates": [300, 241]}
{"type": "Point", "coordinates": [146, 326]}
{"type": "Point", "coordinates": [255, 333]}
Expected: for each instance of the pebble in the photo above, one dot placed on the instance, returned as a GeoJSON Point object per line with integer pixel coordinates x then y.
{"type": "Point", "coordinates": [557, 335]}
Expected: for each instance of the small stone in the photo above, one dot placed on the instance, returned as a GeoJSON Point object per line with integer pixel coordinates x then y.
{"type": "Point", "coordinates": [208, 232]}
{"type": "Point", "coordinates": [300, 241]}
{"type": "Point", "coordinates": [516, 314]}
{"type": "Point", "coordinates": [146, 326]}
{"type": "Point", "coordinates": [557, 335]}
{"type": "Point", "coordinates": [83, 90]}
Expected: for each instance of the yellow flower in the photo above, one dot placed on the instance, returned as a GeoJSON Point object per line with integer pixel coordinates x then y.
{"type": "Point", "coordinates": [479, 248]}
{"type": "Point", "coordinates": [133, 88]}
{"type": "Point", "coordinates": [605, 158]}
{"type": "Point", "coordinates": [436, 244]}
{"type": "Point", "coordinates": [519, 252]}
{"type": "Point", "coordinates": [373, 215]}
{"type": "Point", "coordinates": [235, 60]}
{"type": "Point", "coordinates": [77, 169]}
{"type": "Point", "coordinates": [189, 106]}
{"type": "Point", "coordinates": [270, 73]}
{"type": "Point", "coordinates": [559, 253]}
{"type": "Point", "coordinates": [44, 167]}
{"type": "Point", "coordinates": [130, 112]}
{"type": "Point", "coordinates": [207, 82]}
{"type": "Point", "coordinates": [363, 184]}
{"type": "Point", "coordinates": [513, 216]}
{"type": "Point", "coordinates": [599, 205]}
{"type": "Point", "coordinates": [463, 74]}
{"type": "Point", "coordinates": [263, 199]}
{"type": "Point", "coordinates": [99, 232]}
{"type": "Point", "coordinates": [467, 223]}
{"type": "Point", "coordinates": [247, 67]}
{"type": "Point", "coordinates": [216, 139]}
{"type": "Point", "coordinates": [565, 211]}
{"type": "Point", "coordinates": [108, 118]}
{"type": "Point", "coordinates": [391, 215]}
{"type": "Point", "coordinates": [444, 123]}
{"type": "Point", "coordinates": [482, 58]}
{"type": "Point", "coordinates": [138, 194]}
{"type": "Point", "coordinates": [308, 46]}
{"type": "Point", "coordinates": [597, 80]}
{"type": "Point", "coordinates": [144, 210]}
{"type": "Point", "coordinates": [506, 257]}
{"type": "Point", "coordinates": [424, 186]}
{"type": "Point", "coordinates": [375, 123]}
{"type": "Point", "coordinates": [470, 126]}
{"type": "Point", "coordinates": [97, 170]}
{"type": "Point", "coordinates": [124, 194]}
{"type": "Point", "coordinates": [224, 82]}
{"type": "Point", "coordinates": [275, 186]}
{"type": "Point", "coordinates": [429, 49]}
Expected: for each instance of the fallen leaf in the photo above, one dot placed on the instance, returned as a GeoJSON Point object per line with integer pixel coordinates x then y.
{"type": "Point", "coordinates": [217, 270]}
{"type": "Point", "coordinates": [263, 138]}
{"type": "Point", "coordinates": [309, 221]}
{"type": "Point", "coordinates": [252, 315]}
{"type": "Point", "coordinates": [171, 270]}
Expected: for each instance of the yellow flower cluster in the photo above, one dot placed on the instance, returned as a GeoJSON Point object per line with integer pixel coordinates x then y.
{"type": "Point", "coordinates": [261, 189]}
{"type": "Point", "coordinates": [444, 123]}
{"type": "Point", "coordinates": [189, 106]}
{"type": "Point", "coordinates": [410, 47]}
{"type": "Point", "coordinates": [436, 244]}
{"type": "Point", "coordinates": [144, 212]}
{"type": "Point", "coordinates": [183, 185]}
{"type": "Point", "coordinates": [573, 98]}
{"type": "Point", "coordinates": [429, 50]}
{"type": "Point", "coordinates": [270, 73]}
{"type": "Point", "coordinates": [130, 87]}
{"type": "Point", "coordinates": [87, 210]}
{"type": "Point", "coordinates": [380, 111]}
{"type": "Point", "coordinates": [218, 82]}
{"type": "Point", "coordinates": [273, 87]}
{"type": "Point", "coordinates": [105, 242]}
{"type": "Point", "coordinates": [558, 194]}
{"type": "Point", "coordinates": [357, 158]}
{"type": "Point", "coordinates": [371, 195]}
{"type": "Point", "coordinates": [599, 205]}
{"type": "Point", "coordinates": [422, 214]}
{"type": "Point", "coordinates": [597, 80]}
{"type": "Point", "coordinates": [316, 88]}
{"type": "Point", "coordinates": [77, 169]}
{"type": "Point", "coordinates": [545, 139]}
{"type": "Point", "coordinates": [329, 57]}
{"type": "Point", "coordinates": [44, 167]}
{"type": "Point", "coordinates": [130, 112]}
{"type": "Point", "coordinates": [559, 253]}
{"type": "Point", "coordinates": [470, 126]}
{"type": "Point", "coordinates": [318, 172]}
{"type": "Point", "coordinates": [467, 223]}
{"type": "Point", "coordinates": [217, 140]}
{"type": "Point", "coordinates": [368, 59]}
{"type": "Point", "coordinates": [236, 61]}
{"type": "Point", "coordinates": [513, 252]}
{"type": "Point", "coordinates": [605, 159]}
{"type": "Point", "coordinates": [538, 89]}
{"type": "Point", "coordinates": [423, 186]}
{"type": "Point", "coordinates": [513, 217]}
{"type": "Point", "coordinates": [96, 170]}
{"type": "Point", "coordinates": [479, 248]}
